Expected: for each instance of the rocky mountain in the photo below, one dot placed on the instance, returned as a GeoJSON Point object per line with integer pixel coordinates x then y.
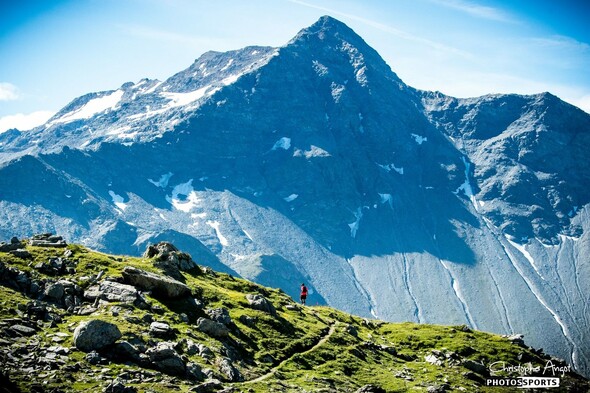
{"type": "Point", "coordinates": [315, 163]}
{"type": "Point", "coordinates": [73, 319]}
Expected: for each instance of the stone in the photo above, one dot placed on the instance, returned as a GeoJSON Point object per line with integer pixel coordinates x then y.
{"type": "Point", "coordinates": [22, 330]}
{"type": "Point", "coordinates": [160, 329]}
{"type": "Point", "coordinates": [205, 352]}
{"type": "Point", "coordinates": [438, 388]}
{"type": "Point", "coordinates": [124, 351]}
{"type": "Point", "coordinates": [220, 315]}
{"type": "Point", "coordinates": [54, 291]}
{"type": "Point", "coordinates": [432, 359]}
{"type": "Point", "coordinates": [115, 292]}
{"type": "Point", "coordinates": [212, 328]}
{"type": "Point", "coordinates": [229, 370]}
{"type": "Point", "coordinates": [94, 358]}
{"type": "Point", "coordinates": [95, 334]}
{"type": "Point", "coordinates": [247, 320]}
{"type": "Point", "coordinates": [193, 371]}
{"type": "Point", "coordinates": [159, 285]}
{"type": "Point", "coordinates": [475, 367]}
{"type": "Point", "coordinates": [370, 389]}
{"type": "Point", "coordinates": [117, 386]}
{"type": "Point", "coordinates": [207, 387]}
{"type": "Point", "coordinates": [517, 339]}
{"type": "Point", "coordinates": [166, 359]}
{"type": "Point", "coordinates": [191, 347]}
{"type": "Point", "coordinates": [259, 302]}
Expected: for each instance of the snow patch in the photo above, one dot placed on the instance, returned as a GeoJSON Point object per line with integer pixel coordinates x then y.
{"type": "Point", "coordinates": [336, 91]}
{"type": "Point", "coordinates": [163, 181]}
{"type": "Point", "coordinates": [315, 151]}
{"type": "Point", "coordinates": [229, 63]}
{"type": "Point", "coordinates": [526, 254]}
{"type": "Point", "coordinates": [283, 143]}
{"type": "Point", "coordinates": [319, 68]}
{"type": "Point", "coordinates": [419, 139]}
{"type": "Point", "coordinates": [466, 186]}
{"type": "Point", "coordinates": [186, 189]}
{"type": "Point", "coordinates": [182, 99]}
{"type": "Point", "coordinates": [354, 226]}
{"type": "Point", "coordinates": [390, 167]}
{"type": "Point", "coordinates": [92, 107]}
{"type": "Point", "coordinates": [118, 200]}
{"type": "Point", "coordinates": [291, 198]}
{"type": "Point", "coordinates": [386, 198]}
{"type": "Point", "coordinates": [215, 225]}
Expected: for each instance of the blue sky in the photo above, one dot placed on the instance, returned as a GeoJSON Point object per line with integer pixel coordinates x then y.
{"type": "Point", "coordinates": [54, 51]}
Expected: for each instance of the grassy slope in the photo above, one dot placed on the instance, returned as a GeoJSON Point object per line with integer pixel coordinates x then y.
{"type": "Point", "coordinates": [306, 349]}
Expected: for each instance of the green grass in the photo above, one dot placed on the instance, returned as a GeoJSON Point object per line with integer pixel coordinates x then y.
{"type": "Point", "coordinates": [287, 344]}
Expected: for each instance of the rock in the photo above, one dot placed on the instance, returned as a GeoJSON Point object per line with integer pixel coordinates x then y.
{"type": "Point", "coordinates": [205, 352]}
{"type": "Point", "coordinates": [92, 292]}
{"type": "Point", "coordinates": [475, 367]}
{"type": "Point", "coordinates": [14, 244]}
{"type": "Point", "coordinates": [117, 386]}
{"type": "Point", "coordinates": [166, 359]}
{"type": "Point", "coordinates": [21, 253]}
{"type": "Point", "coordinates": [247, 320]}
{"type": "Point", "coordinates": [370, 389]}
{"type": "Point", "coordinates": [517, 339]}
{"type": "Point", "coordinates": [191, 347]}
{"type": "Point", "coordinates": [183, 317]}
{"type": "Point", "coordinates": [54, 291]}
{"type": "Point", "coordinates": [433, 360]}
{"type": "Point", "coordinates": [22, 330]}
{"type": "Point", "coordinates": [220, 315]}
{"type": "Point", "coordinates": [159, 285]}
{"type": "Point", "coordinates": [208, 387]}
{"type": "Point", "coordinates": [212, 328]}
{"type": "Point", "coordinates": [115, 292]}
{"type": "Point", "coordinates": [161, 329]}
{"type": "Point", "coordinates": [193, 371]}
{"type": "Point", "coordinates": [95, 334]}
{"type": "Point", "coordinates": [259, 302]}
{"type": "Point", "coordinates": [438, 388]}
{"type": "Point", "coordinates": [124, 351]}
{"type": "Point", "coordinates": [229, 371]}
{"type": "Point", "coordinates": [94, 358]}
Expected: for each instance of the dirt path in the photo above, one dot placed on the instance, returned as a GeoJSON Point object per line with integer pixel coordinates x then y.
{"type": "Point", "coordinates": [278, 366]}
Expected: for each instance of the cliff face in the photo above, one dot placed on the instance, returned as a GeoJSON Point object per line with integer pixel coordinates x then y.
{"type": "Point", "coordinates": [315, 163]}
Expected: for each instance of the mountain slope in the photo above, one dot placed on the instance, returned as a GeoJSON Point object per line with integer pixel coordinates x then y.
{"type": "Point", "coordinates": [77, 319]}
{"type": "Point", "coordinates": [315, 163]}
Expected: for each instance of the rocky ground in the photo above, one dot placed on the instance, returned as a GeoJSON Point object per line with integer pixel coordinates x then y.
{"type": "Point", "coordinates": [72, 319]}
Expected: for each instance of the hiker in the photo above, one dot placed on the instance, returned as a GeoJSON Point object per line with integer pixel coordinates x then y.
{"type": "Point", "coordinates": [303, 295]}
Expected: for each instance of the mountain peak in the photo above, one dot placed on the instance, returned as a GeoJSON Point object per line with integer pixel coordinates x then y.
{"type": "Point", "coordinates": [325, 27]}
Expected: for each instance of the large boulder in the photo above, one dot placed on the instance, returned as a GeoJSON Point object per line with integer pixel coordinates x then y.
{"type": "Point", "coordinates": [116, 292]}
{"type": "Point", "coordinates": [229, 370]}
{"type": "Point", "coordinates": [259, 302]}
{"type": "Point", "coordinates": [159, 285]}
{"type": "Point", "coordinates": [170, 259]}
{"type": "Point", "coordinates": [212, 328]}
{"type": "Point", "coordinates": [95, 334]}
{"type": "Point", "coordinates": [220, 315]}
{"type": "Point", "coordinates": [166, 359]}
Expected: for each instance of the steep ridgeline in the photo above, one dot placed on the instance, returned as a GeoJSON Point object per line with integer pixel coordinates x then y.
{"type": "Point", "coordinates": [315, 163]}
{"type": "Point", "coordinates": [73, 319]}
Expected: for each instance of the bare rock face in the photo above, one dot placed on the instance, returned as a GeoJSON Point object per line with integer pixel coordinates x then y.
{"type": "Point", "coordinates": [159, 285]}
{"type": "Point", "coordinates": [95, 335]}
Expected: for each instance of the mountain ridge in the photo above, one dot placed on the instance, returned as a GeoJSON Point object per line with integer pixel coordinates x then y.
{"type": "Point", "coordinates": [319, 165]}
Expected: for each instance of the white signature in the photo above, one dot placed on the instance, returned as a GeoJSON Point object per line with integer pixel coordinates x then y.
{"type": "Point", "coordinates": [528, 368]}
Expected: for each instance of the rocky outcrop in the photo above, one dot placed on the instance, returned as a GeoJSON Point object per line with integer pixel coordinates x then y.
{"type": "Point", "coordinates": [159, 285]}
{"type": "Point", "coordinates": [13, 245]}
{"type": "Point", "coordinates": [212, 328]}
{"type": "Point", "coordinates": [170, 259]}
{"type": "Point", "coordinates": [259, 302]}
{"type": "Point", "coordinates": [95, 334]}
{"type": "Point", "coordinates": [166, 359]}
{"type": "Point", "coordinates": [48, 240]}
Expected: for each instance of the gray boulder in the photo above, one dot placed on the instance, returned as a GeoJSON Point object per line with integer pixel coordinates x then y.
{"type": "Point", "coordinates": [116, 292]}
{"type": "Point", "coordinates": [229, 370]}
{"type": "Point", "coordinates": [220, 315]}
{"type": "Point", "coordinates": [159, 285]}
{"type": "Point", "coordinates": [160, 329]}
{"type": "Point", "coordinates": [95, 334]}
{"type": "Point", "coordinates": [21, 253]}
{"type": "Point", "coordinates": [212, 328]}
{"type": "Point", "coordinates": [259, 302]}
{"type": "Point", "coordinates": [54, 291]}
{"type": "Point", "coordinates": [193, 371]}
{"type": "Point", "coordinates": [166, 359]}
